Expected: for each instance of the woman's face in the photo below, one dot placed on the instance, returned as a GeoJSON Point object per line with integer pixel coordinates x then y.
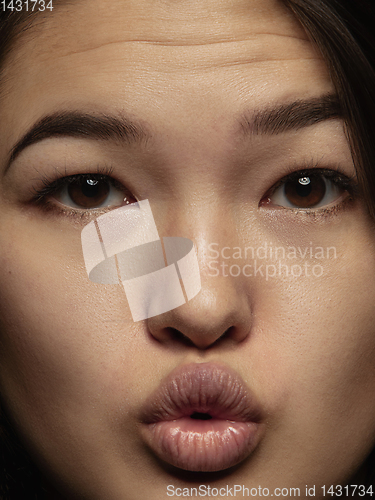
{"type": "Point", "coordinates": [220, 101]}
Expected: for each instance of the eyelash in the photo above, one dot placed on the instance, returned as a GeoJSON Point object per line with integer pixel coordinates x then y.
{"type": "Point", "coordinates": [51, 185]}
{"type": "Point", "coordinates": [340, 180]}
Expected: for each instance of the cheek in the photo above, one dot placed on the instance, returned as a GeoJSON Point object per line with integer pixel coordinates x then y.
{"type": "Point", "coordinates": [324, 320]}
{"type": "Point", "coordinates": [65, 342]}
{"type": "Point", "coordinates": [312, 353]}
{"type": "Point", "coordinates": [321, 347]}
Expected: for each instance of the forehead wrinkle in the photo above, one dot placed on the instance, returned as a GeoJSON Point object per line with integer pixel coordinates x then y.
{"type": "Point", "coordinates": [169, 57]}
{"type": "Point", "coordinates": [186, 21]}
{"type": "Point", "coordinates": [168, 42]}
{"type": "Point", "coordinates": [172, 43]}
{"type": "Point", "coordinates": [195, 68]}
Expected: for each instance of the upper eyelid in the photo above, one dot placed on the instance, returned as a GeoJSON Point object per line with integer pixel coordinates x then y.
{"type": "Point", "coordinates": [51, 185]}
{"type": "Point", "coordinates": [331, 174]}
{"type": "Point", "coordinates": [105, 171]}
{"type": "Point", "coordinates": [71, 178]}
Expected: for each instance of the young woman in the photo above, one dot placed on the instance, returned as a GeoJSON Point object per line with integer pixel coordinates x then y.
{"type": "Point", "coordinates": [248, 127]}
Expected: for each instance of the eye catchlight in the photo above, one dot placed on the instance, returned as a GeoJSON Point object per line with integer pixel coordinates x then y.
{"type": "Point", "coordinates": [123, 246]}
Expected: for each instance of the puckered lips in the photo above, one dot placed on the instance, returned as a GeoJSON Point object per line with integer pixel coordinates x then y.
{"type": "Point", "coordinates": [202, 418]}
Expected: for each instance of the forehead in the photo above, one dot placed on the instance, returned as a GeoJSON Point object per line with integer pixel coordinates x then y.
{"type": "Point", "coordinates": [200, 34]}
{"type": "Point", "coordinates": [126, 54]}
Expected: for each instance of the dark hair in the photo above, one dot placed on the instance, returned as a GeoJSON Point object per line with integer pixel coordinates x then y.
{"type": "Point", "coordinates": [343, 31]}
{"type": "Point", "coordinates": [19, 477]}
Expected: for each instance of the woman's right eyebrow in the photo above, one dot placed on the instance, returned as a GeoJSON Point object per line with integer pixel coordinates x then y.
{"type": "Point", "coordinates": [77, 124]}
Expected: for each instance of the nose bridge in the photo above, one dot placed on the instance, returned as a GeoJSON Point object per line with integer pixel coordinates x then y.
{"type": "Point", "coordinates": [222, 308]}
{"type": "Point", "coordinates": [208, 222]}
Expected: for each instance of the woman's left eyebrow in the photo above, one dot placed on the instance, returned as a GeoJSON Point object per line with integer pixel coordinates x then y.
{"type": "Point", "coordinates": [76, 124]}
{"type": "Point", "coordinates": [291, 116]}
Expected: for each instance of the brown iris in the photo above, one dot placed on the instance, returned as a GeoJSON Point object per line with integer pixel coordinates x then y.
{"type": "Point", "coordinates": [305, 192]}
{"type": "Point", "coordinates": [88, 192]}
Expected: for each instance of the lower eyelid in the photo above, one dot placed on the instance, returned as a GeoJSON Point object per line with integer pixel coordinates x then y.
{"type": "Point", "coordinates": [314, 213]}
{"type": "Point", "coordinates": [77, 216]}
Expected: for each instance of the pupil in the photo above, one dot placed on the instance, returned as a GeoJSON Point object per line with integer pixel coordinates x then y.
{"type": "Point", "coordinates": [305, 192]}
{"type": "Point", "coordinates": [88, 193]}
{"type": "Point", "coordinates": [90, 188]}
{"type": "Point", "coordinates": [304, 187]}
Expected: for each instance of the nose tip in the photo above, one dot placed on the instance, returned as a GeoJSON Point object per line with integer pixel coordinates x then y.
{"type": "Point", "coordinates": [213, 315]}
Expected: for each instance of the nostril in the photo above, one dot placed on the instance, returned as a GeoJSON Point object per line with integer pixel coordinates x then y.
{"type": "Point", "coordinates": [200, 416]}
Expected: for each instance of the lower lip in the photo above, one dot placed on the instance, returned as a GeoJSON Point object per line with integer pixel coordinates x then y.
{"type": "Point", "coordinates": [202, 445]}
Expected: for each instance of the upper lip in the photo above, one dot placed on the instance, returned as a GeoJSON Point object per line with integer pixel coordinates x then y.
{"type": "Point", "coordinates": [209, 388]}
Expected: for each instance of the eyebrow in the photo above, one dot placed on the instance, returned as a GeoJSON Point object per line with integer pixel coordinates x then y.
{"type": "Point", "coordinates": [75, 124]}
{"type": "Point", "coordinates": [292, 116]}
{"type": "Point", "coordinates": [282, 118]}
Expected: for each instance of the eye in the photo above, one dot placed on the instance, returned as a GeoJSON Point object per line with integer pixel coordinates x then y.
{"type": "Point", "coordinates": [90, 192]}
{"type": "Point", "coordinates": [85, 192]}
{"type": "Point", "coordinates": [310, 189]}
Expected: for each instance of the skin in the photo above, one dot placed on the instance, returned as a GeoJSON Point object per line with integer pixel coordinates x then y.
{"type": "Point", "coordinates": [74, 368]}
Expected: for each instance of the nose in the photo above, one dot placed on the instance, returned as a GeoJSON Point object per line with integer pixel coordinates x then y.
{"type": "Point", "coordinates": [221, 310]}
